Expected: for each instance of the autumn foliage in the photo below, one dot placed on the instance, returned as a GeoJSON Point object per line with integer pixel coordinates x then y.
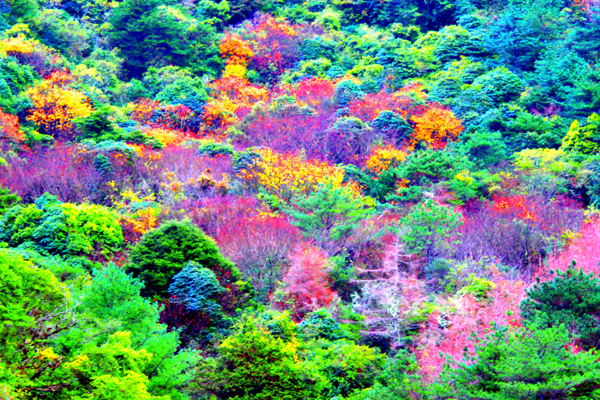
{"type": "Point", "coordinates": [435, 127]}
{"type": "Point", "coordinates": [383, 158]}
{"type": "Point", "coordinates": [285, 175]}
{"type": "Point", "coordinates": [306, 284]}
{"type": "Point", "coordinates": [10, 130]}
{"type": "Point", "coordinates": [582, 250]}
{"type": "Point", "coordinates": [56, 105]}
{"type": "Point", "coordinates": [447, 333]}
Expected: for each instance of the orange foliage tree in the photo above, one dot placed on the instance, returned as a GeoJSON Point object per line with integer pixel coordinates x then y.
{"type": "Point", "coordinates": [56, 105]}
{"type": "Point", "coordinates": [237, 53]}
{"type": "Point", "coordinates": [435, 127]}
{"type": "Point", "coordinates": [233, 93]}
{"type": "Point", "coordinates": [166, 123]}
{"type": "Point", "coordinates": [143, 110]}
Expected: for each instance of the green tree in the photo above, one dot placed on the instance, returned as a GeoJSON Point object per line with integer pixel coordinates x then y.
{"type": "Point", "coordinates": [398, 379]}
{"type": "Point", "coordinates": [164, 251]}
{"type": "Point", "coordinates": [34, 307]}
{"type": "Point", "coordinates": [152, 34]}
{"type": "Point", "coordinates": [346, 366]}
{"type": "Point", "coordinates": [571, 299]}
{"type": "Point", "coordinates": [97, 124]}
{"type": "Point", "coordinates": [259, 360]}
{"type": "Point", "coordinates": [522, 364]}
{"type": "Point", "coordinates": [426, 227]}
{"type": "Point", "coordinates": [112, 371]}
{"type": "Point", "coordinates": [431, 170]}
{"type": "Point", "coordinates": [112, 303]}
{"type": "Point", "coordinates": [7, 199]}
{"type": "Point", "coordinates": [330, 214]}
{"type": "Point", "coordinates": [199, 291]}
{"type": "Point", "coordinates": [63, 228]}
{"type": "Point", "coordinates": [583, 139]}
{"type": "Point", "coordinates": [456, 42]}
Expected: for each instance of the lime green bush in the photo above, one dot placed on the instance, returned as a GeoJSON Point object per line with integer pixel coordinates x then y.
{"type": "Point", "coordinates": [33, 308]}
{"type": "Point", "coordinates": [256, 362]}
{"type": "Point", "coordinates": [67, 229]}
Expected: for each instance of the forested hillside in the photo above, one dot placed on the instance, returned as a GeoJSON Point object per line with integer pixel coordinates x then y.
{"type": "Point", "coordinates": [318, 200]}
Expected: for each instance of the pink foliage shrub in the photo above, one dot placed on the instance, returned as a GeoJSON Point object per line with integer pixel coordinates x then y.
{"type": "Point", "coordinates": [213, 215]}
{"type": "Point", "coordinates": [314, 91]}
{"type": "Point", "coordinates": [293, 133]}
{"type": "Point", "coordinates": [275, 45]}
{"type": "Point", "coordinates": [185, 164]}
{"type": "Point", "coordinates": [56, 171]}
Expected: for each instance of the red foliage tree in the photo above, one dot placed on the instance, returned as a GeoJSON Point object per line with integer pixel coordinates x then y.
{"type": "Point", "coordinates": [306, 284]}
{"type": "Point", "coordinates": [314, 91]}
{"type": "Point", "coordinates": [275, 44]}
{"type": "Point", "coordinates": [10, 130]}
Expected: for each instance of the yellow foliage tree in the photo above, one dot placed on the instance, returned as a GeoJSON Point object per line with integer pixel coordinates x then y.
{"type": "Point", "coordinates": [285, 175]}
{"type": "Point", "coordinates": [17, 45]}
{"type": "Point", "coordinates": [384, 158]}
{"type": "Point", "coordinates": [55, 105]}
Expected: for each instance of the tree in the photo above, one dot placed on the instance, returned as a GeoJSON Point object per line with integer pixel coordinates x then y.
{"type": "Point", "coordinates": [522, 364]}
{"type": "Point", "coordinates": [398, 379]}
{"type": "Point", "coordinates": [286, 175]}
{"type": "Point", "coordinates": [435, 127]}
{"type": "Point", "coordinates": [163, 252]}
{"type": "Point", "coordinates": [259, 360]}
{"type": "Point", "coordinates": [193, 307]}
{"type": "Point", "coordinates": [114, 370]}
{"type": "Point", "coordinates": [519, 34]}
{"type": "Point", "coordinates": [34, 307]}
{"type": "Point", "coordinates": [427, 226]}
{"type": "Point", "coordinates": [331, 213]}
{"type": "Point", "coordinates": [583, 139]}
{"type": "Point", "coordinates": [260, 247]}
{"type": "Point", "coordinates": [7, 200]}
{"type": "Point", "coordinates": [149, 33]}
{"type": "Point", "coordinates": [571, 299]}
{"type": "Point", "coordinates": [63, 228]}
{"type": "Point", "coordinates": [10, 130]}
{"type": "Point", "coordinates": [112, 305]}
{"type": "Point", "coordinates": [305, 286]}
{"type": "Point", "coordinates": [56, 105]}
{"type": "Point", "coordinates": [456, 42]}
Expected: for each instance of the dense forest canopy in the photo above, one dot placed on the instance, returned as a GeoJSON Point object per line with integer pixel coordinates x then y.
{"type": "Point", "coordinates": [321, 199]}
